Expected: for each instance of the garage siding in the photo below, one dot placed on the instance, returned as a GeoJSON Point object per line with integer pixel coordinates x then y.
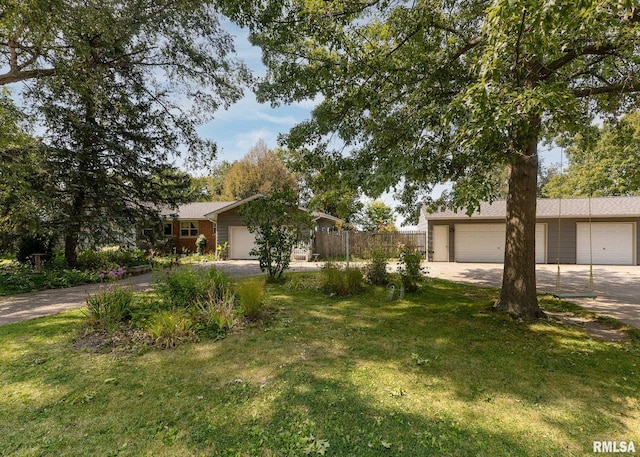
{"type": "Point", "coordinates": [228, 219]}
{"type": "Point", "coordinates": [566, 230]}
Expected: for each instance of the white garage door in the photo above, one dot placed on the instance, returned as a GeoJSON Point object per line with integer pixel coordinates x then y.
{"type": "Point", "coordinates": [611, 243]}
{"type": "Point", "coordinates": [241, 241]}
{"type": "Point", "coordinates": [485, 243]}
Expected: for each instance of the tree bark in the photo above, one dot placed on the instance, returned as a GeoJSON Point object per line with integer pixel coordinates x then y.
{"type": "Point", "coordinates": [518, 294]}
{"type": "Point", "coordinates": [71, 249]}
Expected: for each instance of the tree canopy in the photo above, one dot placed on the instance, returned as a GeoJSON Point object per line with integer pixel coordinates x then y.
{"type": "Point", "coordinates": [259, 172]}
{"type": "Point", "coordinates": [419, 93]}
{"type": "Point", "coordinates": [377, 216]}
{"type": "Point", "coordinates": [606, 163]}
{"type": "Point", "coordinates": [119, 88]}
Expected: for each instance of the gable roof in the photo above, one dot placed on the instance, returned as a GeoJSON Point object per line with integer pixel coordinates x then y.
{"type": "Point", "coordinates": [213, 214]}
{"type": "Point", "coordinates": [211, 210]}
{"type": "Point", "coordinates": [554, 207]}
{"type": "Point", "coordinates": [191, 211]}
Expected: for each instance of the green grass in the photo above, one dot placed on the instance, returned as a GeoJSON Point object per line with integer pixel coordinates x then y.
{"type": "Point", "coordinates": [437, 373]}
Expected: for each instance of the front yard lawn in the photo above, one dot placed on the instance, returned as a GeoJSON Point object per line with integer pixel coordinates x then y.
{"type": "Point", "coordinates": [436, 373]}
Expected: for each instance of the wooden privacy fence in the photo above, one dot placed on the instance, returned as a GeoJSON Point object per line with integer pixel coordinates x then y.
{"type": "Point", "coordinates": [334, 244]}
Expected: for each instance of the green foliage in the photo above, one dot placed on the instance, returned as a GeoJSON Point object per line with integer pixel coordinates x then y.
{"type": "Point", "coordinates": [341, 281]}
{"type": "Point", "coordinates": [278, 224]}
{"type": "Point", "coordinates": [605, 163]}
{"type": "Point", "coordinates": [259, 172]}
{"type": "Point", "coordinates": [201, 244]}
{"type": "Point", "coordinates": [252, 295]}
{"type": "Point", "coordinates": [171, 328]}
{"type": "Point", "coordinates": [34, 244]}
{"type": "Point", "coordinates": [110, 258]}
{"type": "Point", "coordinates": [110, 307]}
{"type": "Point", "coordinates": [18, 278]}
{"type": "Point", "coordinates": [410, 268]}
{"type": "Point", "coordinates": [376, 216]}
{"type": "Point", "coordinates": [376, 269]}
{"type": "Point", "coordinates": [186, 287]}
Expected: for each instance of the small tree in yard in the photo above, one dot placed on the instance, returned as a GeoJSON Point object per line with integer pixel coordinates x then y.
{"type": "Point", "coordinates": [278, 223]}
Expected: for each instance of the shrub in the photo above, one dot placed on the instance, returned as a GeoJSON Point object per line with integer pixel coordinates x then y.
{"type": "Point", "coordinates": [336, 280]}
{"type": "Point", "coordinates": [376, 270]}
{"type": "Point", "coordinates": [110, 258]}
{"type": "Point", "coordinates": [187, 287]}
{"type": "Point", "coordinates": [171, 327]}
{"type": "Point", "coordinates": [110, 307]}
{"type": "Point", "coordinates": [215, 317]}
{"type": "Point", "coordinates": [410, 269]}
{"type": "Point", "coordinates": [201, 244]}
{"type": "Point", "coordinates": [34, 244]}
{"type": "Point", "coordinates": [251, 294]}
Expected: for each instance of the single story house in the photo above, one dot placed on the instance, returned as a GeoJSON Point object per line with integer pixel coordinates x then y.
{"type": "Point", "coordinates": [221, 222]}
{"type": "Point", "coordinates": [598, 230]}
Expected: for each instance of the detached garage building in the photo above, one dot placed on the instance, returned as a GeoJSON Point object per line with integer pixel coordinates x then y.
{"type": "Point", "coordinates": [602, 230]}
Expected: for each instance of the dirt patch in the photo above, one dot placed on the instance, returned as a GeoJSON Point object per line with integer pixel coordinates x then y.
{"type": "Point", "coordinates": [128, 340]}
{"type": "Point", "coordinates": [591, 326]}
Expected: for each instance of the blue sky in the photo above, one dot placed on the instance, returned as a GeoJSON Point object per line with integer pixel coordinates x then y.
{"type": "Point", "coordinates": [237, 129]}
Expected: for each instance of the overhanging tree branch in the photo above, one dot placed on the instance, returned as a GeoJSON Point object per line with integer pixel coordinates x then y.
{"type": "Point", "coordinates": [623, 88]}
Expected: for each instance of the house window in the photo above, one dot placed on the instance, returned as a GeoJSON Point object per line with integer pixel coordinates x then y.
{"type": "Point", "coordinates": [188, 228]}
{"type": "Point", "coordinates": [168, 229]}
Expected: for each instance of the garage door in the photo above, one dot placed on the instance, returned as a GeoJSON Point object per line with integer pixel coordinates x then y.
{"type": "Point", "coordinates": [611, 243]}
{"type": "Point", "coordinates": [241, 241]}
{"type": "Point", "coordinates": [485, 243]}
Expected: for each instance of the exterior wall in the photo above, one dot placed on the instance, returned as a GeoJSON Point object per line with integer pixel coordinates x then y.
{"type": "Point", "coordinates": [567, 230]}
{"type": "Point", "coordinates": [564, 232]}
{"type": "Point", "coordinates": [183, 243]}
{"type": "Point", "coordinates": [228, 219]}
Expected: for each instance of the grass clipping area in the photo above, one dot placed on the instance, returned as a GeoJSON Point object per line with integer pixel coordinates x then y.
{"type": "Point", "coordinates": [437, 372]}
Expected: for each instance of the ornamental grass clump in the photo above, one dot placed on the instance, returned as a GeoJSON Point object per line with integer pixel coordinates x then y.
{"type": "Point", "coordinates": [170, 328]}
{"type": "Point", "coordinates": [109, 308]}
{"type": "Point", "coordinates": [186, 287]}
{"type": "Point", "coordinates": [251, 295]}
{"type": "Point", "coordinates": [341, 281]}
{"type": "Point", "coordinates": [376, 269]}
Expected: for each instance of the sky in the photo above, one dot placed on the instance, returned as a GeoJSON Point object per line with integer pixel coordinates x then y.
{"type": "Point", "coordinates": [237, 129]}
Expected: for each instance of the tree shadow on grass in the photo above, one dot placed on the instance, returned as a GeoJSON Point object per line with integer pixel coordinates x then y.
{"type": "Point", "coordinates": [438, 373]}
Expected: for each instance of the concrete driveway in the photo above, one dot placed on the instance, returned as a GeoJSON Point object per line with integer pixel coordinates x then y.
{"type": "Point", "coordinates": [617, 287]}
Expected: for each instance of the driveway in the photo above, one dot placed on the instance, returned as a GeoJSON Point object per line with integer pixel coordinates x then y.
{"type": "Point", "coordinates": [617, 287]}
{"type": "Point", "coordinates": [15, 308]}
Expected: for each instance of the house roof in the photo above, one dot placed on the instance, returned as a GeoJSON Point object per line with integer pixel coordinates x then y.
{"type": "Point", "coordinates": [318, 215]}
{"type": "Point", "coordinates": [210, 210]}
{"type": "Point", "coordinates": [554, 207]}
{"type": "Point", "coordinates": [192, 211]}
{"type": "Point", "coordinates": [213, 214]}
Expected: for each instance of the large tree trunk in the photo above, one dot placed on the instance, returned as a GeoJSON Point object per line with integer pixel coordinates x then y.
{"type": "Point", "coordinates": [518, 295]}
{"type": "Point", "coordinates": [71, 249]}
